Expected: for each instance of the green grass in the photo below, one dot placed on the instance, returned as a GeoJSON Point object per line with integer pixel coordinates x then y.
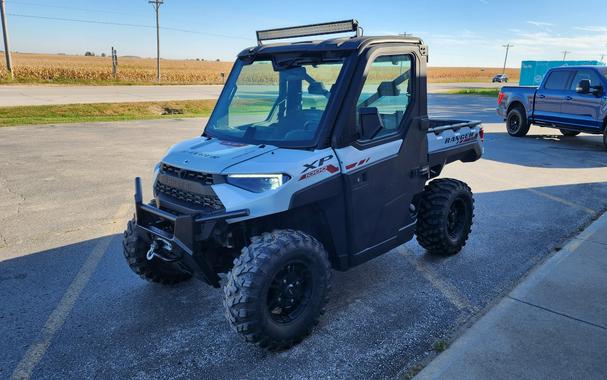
{"type": "Point", "coordinates": [476, 91]}
{"type": "Point", "coordinates": [440, 346]}
{"type": "Point", "coordinates": [79, 113]}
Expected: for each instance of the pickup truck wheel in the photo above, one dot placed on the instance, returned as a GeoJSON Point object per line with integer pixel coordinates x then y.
{"type": "Point", "coordinates": [568, 133]}
{"type": "Point", "coordinates": [277, 289]}
{"type": "Point", "coordinates": [605, 136]}
{"type": "Point", "coordinates": [516, 122]}
{"type": "Point", "coordinates": [445, 216]}
{"type": "Point", "coordinates": [135, 247]}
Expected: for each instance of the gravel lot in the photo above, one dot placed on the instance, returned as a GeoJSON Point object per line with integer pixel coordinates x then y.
{"type": "Point", "coordinates": [71, 308]}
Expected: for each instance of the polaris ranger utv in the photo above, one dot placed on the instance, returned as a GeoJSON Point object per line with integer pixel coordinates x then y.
{"type": "Point", "coordinates": [316, 157]}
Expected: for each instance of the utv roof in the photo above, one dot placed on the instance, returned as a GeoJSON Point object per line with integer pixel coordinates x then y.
{"type": "Point", "coordinates": [357, 42]}
{"type": "Point", "coordinates": [334, 44]}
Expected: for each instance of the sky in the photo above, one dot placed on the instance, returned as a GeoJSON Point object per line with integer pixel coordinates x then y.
{"type": "Point", "coordinates": [458, 32]}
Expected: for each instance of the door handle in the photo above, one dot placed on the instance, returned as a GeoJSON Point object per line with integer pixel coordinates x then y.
{"type": "Point", "coordinates": [359, 179]}
{"type": "Point", "coordinates": [568, 98]}
{"type": "Point", "coordinates": [541, 96]}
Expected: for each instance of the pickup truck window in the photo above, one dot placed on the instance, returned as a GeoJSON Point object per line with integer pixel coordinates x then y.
{"type": "Point", "coordinates": [585, 74]}
{"type": "Point", "coordinates": [558, 80]}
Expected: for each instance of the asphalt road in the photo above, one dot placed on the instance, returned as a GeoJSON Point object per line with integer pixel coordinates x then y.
{"type": "Point", "coordinates": [30, 95]}
{"type": "Point", "coordinates": [71, 308]}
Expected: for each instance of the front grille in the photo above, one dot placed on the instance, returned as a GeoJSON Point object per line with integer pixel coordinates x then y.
{"type": "Point", "coordinates": [206, 201]}
{"type": "Point", "coordinates": [203, 178]}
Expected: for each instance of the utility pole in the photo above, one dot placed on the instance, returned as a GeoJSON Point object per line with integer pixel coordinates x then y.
{"type": "Point", "coordinates": [157, 4]}
{"type": "Point", "coordinates": [507, 46]}
{"type": "Point", "coordinates": [114, 63]}
{"type": "Point", "coordinates": [565, 52]}
{"type": "Point", "coordinates": [7, 52]}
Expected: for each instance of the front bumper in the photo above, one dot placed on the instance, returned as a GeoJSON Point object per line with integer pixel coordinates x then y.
{"type": "Point", "coordinates": [189, 232]}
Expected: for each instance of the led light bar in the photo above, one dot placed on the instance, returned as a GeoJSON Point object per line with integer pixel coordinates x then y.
{"type": "Point", "coordinates": [308, 30]}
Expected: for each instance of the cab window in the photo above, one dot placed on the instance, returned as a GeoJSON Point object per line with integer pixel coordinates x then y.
{"type": "Point", "coordinates": [387, 88]}
{"type": "Point", "coordinates": [558, 80]}
{"type": "Point", "coordinates": [585, 74]}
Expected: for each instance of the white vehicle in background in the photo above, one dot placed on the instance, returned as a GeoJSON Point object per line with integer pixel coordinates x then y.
{"type": "Point", "coordinates": [317, 156]}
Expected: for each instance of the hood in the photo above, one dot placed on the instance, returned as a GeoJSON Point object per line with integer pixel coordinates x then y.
{"type": "Point", "coordinates": [212, 155]}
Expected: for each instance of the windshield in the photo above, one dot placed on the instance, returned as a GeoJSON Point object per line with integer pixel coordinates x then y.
{"type": "Point", "coordinates": [264, 105]}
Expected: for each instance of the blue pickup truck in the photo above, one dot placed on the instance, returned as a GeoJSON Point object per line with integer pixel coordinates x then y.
{"type": "Point", "coordinates": [572, 99]}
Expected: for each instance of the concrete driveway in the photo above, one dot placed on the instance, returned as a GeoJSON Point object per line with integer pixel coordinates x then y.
{"type": "Point", "coordinates": [71, 308]}
{"type": "Point", "coordinates": [28, 95]}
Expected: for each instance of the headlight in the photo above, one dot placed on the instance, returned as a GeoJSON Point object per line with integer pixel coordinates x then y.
{"type": "Point", "coordinates": [258, 183]}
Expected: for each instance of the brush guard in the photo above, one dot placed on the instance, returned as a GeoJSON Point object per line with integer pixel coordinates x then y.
{"type": "Point", "coordinates": [189, 233]}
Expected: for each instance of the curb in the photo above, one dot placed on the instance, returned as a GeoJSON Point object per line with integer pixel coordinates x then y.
{"type": "Point", "coordinates": [528, 282]}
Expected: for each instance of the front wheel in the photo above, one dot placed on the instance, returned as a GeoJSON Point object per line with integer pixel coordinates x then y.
{"type": "Point", "coordinates": [277, 289]}
{"type": "Point", "coordinates": [516, 122]}
{"type": "Point", "coordinates": [445, 216]}
{"type": "Point", "coordinates": [569, 133]}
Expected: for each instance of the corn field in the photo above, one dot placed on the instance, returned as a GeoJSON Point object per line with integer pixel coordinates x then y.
{"type": "Point", "coordinates": [48, 68]}
{"type": "Point", "coordinates": [43, 68]}
{"type": "Point", "coordinates": [468, 74]}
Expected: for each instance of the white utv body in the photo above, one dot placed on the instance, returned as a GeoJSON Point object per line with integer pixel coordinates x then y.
{"type": "Point", "coordinates": [317, 156]}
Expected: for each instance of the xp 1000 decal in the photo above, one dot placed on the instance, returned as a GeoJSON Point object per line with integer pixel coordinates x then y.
{"type": "Point", "coordinates": [316, 167]}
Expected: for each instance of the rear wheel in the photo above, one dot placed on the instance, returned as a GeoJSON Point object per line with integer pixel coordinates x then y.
{"type": "Point", "coordinates": [278, 289]}
{"type": "Point", "coordinates": [135, 245]}
{"type": "Point", "coordinates": [516, 122]}
{"type": "Point", "coordinates": [445, 216]}
{"type": "Point", "coordinates": [569, 133]}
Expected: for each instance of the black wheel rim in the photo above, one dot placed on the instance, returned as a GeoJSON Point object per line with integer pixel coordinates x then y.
{"type": "Point", "coordinates": [514, 123]}
{"type": "Point", "coordinates": [289, 292]}
{"type": "Point", "coordinates": [456, 219]}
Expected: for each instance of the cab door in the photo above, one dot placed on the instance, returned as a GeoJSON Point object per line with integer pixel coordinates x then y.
{"type": "Point", "coordinates": [583, 110]}
{"type": "Point", "coordinates": [382, 174]}
{"type": "Point", "coordinates": [550, 97]}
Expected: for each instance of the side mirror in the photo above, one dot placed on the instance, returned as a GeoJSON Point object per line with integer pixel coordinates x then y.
{"type": "Point", "coordinates": [583, 87]}
{"type": "Point", "coordinates": [597, 90]}
{"type": "Point", "coordinates": [370, 122]}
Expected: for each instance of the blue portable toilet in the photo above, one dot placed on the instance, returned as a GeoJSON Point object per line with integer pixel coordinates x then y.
{"type": "Point", "coordinates": [532, 72]}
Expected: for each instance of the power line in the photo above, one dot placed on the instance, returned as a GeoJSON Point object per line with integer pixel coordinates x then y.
{"type": "Point", "coordinates": [69, 8]}
{"type": "Point", "coordinates": [84, 21]}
